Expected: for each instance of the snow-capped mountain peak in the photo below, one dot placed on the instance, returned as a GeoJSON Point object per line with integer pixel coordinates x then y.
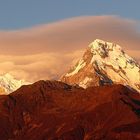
{"type": "Point", "coordinates": [104, 63]}
{"type": "Point", "coordinates": [102, 48]}
{"type": "Point", "coordinates": [9, 84]}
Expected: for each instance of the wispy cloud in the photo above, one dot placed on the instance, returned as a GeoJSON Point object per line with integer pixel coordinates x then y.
{"type": "Point", "coordinates": [46, 51]}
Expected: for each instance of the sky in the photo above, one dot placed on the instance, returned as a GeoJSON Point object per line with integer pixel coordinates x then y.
{"type": "Point", "coordinates": [17, 14]}
{"type": "Point", "coordinates": [42, 39]}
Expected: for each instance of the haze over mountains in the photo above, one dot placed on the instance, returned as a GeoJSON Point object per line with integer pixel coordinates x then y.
{"type": "Point", "coordinates": [26, 51]}
{"type": "Point", "coordinates": [94, 106]}
{"type": "Point", "coordinates": [103, 63]}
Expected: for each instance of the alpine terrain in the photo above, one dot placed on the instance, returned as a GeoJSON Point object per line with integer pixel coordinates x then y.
{"type": "Point", "coordinates": [104, 63]}
{"type": "Point", "coordinates": [9, 84]}
{"type": "Point", "coordinates": [52, 110]}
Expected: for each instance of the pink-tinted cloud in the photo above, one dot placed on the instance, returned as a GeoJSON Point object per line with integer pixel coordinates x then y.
{"type": "Point", "coordinates": [46, 51]}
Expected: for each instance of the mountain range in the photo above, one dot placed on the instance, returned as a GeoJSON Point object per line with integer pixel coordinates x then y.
{"type": "Point", "coordinates": [52, 110]}
{"type": "Point", "coordinates": [98, 99]}
{"type": "Point", "coordinates": [103, 63]}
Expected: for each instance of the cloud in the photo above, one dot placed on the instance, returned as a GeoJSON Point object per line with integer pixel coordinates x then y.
{"type": "Point", "coordinates": [35, 67]}
{"type": "Point", "coordinates": [47, 51]}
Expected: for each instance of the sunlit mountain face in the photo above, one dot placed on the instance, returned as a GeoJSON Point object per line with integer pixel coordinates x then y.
{"type": "Point", "coordinates": [104, 63]}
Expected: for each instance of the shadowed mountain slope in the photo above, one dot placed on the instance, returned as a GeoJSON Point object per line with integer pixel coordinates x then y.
{"type": "Point", "coordinates": [52, 110]}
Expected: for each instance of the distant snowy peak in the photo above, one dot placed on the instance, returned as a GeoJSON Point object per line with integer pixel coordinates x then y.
{"type": "Point", "coordinates": [104, 63]}
{"type": "Point", "coordinates": [9, 84]}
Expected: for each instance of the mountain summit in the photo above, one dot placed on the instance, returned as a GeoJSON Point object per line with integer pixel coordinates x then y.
{"type": "Point", "coordinates": [104, 63]}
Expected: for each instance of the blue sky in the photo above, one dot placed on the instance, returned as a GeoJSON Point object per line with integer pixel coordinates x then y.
{"type": "Point", "coordinates": [15, 14]}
